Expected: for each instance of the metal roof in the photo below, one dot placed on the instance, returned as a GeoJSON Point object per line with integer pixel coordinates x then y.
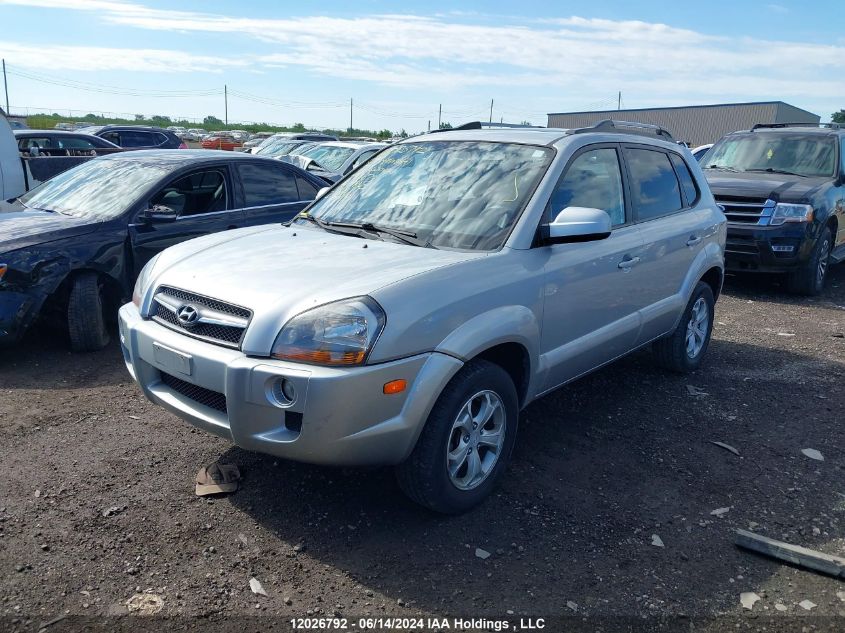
{"type": "Point", "coordinates": [687, 107]}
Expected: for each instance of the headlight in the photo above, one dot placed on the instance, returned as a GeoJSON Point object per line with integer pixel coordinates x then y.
{"type": "Point", "coordinates": [142, 282]}
{"type": "Point", "coordinates": [341, 333]}
{"type": "Point", "coordinates": [791, 213]}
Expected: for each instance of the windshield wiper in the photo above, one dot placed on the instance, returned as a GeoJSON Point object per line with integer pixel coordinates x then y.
{"type": "Point", "coordinates": [723, 168]}
{"type": "Point", "coordinates": [770, 170]}
{"type": "Point", "coordinates": [409, 237]}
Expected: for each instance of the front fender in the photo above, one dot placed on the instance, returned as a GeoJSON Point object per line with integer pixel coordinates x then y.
{"type": "Point", "coordinates": [505, 324]}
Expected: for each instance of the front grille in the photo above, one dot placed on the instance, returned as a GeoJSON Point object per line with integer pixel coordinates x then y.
{"type": "Point", "coordinates": [200, 395]}
{"type": "Point", "coordinates": [168, 301]}
{"type": "Point", "coordinates": [747, 210]}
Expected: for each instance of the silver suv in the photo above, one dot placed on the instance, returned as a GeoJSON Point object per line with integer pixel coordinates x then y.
{"type": "Point", "coordinates": [409, 314]}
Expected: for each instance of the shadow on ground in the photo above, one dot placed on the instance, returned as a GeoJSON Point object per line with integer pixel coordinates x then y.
{"type": "Point", "coordinates": [600, 467]}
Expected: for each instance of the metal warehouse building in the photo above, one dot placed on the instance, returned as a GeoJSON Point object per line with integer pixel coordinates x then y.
{"type": "Point", "coordinates": [695, 124]}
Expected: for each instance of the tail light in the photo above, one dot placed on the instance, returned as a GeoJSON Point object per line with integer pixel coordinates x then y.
{"type": "Point", "coordinates": [182, 145]}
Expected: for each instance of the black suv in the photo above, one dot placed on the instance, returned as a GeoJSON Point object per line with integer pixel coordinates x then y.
{"type": "Point", "coordinates": [782, 188]}
{"type": "Point", "coordinates": [137, 136]}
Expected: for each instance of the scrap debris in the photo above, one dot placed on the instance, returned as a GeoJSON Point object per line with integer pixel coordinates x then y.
{"type": "Point", "coordinates": [483, 554]}
{"type": "Point", "coordinates": [256, 587]}
{"type": "Point", "coordinates": [795, 554]}
{"type": "Point", "coordinates": [216, 479]}
{"type": "Point", "coordinates": [807, 604]}
{"type": "Point", "coordinates": [656, 540]}
{"type": "Point", "coordinates": [145, 604]}
{"type": "Point", "coordinates": [812, 454]}
{"type": "Point", "coordinates": [748, 598]}
{"type": "Point", "coordinates": [719, 512]}
{"type": "Point", "coordinates": [727, 447]}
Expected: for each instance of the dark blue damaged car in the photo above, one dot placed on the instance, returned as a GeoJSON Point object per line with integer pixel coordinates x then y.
{"type": "Point", "coordinates": [70, 249]}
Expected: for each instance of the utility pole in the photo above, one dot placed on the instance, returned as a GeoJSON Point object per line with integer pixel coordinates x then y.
{"type": "Point", "coordinates": [619, 101]}
{"type": "Point", "coordinates": [226, 104]}
{"type": "Point", "coordinates": [439, 115]}
{"type": "Point", "coordinates": [350, 115]}
{"type": "Point", "coordinates": [429, 125]}
{"type": "Point", "coordinates": [491, 111]}
{"type": "Point", "coordinates": [6, 87]}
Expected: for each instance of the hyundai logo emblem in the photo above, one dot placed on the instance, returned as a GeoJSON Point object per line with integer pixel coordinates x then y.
{"type": "Point", "coordinates": [188, 316]}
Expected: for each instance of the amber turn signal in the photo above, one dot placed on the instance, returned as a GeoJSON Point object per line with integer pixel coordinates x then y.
{"type": "Point", "coordinates": [395, 386]}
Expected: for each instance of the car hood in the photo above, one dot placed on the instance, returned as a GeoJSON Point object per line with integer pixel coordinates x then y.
{"type": "Point", "coordinates": [778, 187]}
{"type": "Point", "coordinates": [21, 227]}
{"type": "Point", "coordinates": [278, 271]}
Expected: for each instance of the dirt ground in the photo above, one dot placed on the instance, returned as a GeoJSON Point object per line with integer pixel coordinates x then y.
{"type": "Point", "coordinates": [97, 500]}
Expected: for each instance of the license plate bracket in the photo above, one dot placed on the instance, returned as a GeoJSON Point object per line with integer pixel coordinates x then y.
{"type": "Point", "coordinates": [172, 359]}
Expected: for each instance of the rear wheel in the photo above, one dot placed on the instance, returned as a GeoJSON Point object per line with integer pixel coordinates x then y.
{"type": "Point", "coordinates": [683, 350]}
{"type": "Point", "coordinates": [466, 442]}
{"type": "Point", "coordinates": [85, 317]}
{"type": "Point", "coordinates": [809, 279]}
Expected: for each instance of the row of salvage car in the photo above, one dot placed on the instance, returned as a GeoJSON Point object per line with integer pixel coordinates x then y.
{"type": "Point", "coordinates": [408, 314]}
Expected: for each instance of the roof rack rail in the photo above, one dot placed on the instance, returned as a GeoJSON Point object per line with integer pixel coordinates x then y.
{"type": "Point", "coordinates": [624, 127]}
{"type": "Point", "coordinates": [759, 126]}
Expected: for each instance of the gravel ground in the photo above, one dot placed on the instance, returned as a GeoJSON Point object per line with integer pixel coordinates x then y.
{"type": "Point", "coordinates": [97, 502]}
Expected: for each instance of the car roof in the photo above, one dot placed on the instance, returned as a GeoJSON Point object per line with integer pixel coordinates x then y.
{"type": "Point", "coordinates": [142, 128]}
{"type": "Point", "coordinates": [795, 129]}
{"type": "Point", "coordinates": [178, 157]}
{"type": "Point", "coordinates": [50, 132]}
{"type": "Point", "coordinates": [349, 144]}
{"type": "Point", "coordinates": [549, 136]}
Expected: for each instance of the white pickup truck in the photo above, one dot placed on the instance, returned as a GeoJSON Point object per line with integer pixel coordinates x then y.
{"type": "Point", "coordinates": [17, 174]}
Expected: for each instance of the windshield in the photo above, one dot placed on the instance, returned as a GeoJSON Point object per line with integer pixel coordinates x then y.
{"type": "Point", "coordinates": [461, 195]}
{"type": "Point", "coordinates": [328, 156]}
{"type": "Point", "coordinates": [277, 147]}
{"type": "Point", "coordinates": [799, 154]}
{"type": "Point", "coordinates": [99, 189]}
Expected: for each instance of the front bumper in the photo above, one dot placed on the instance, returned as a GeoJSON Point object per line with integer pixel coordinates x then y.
{"type": "Point", "coordinates": [16, 313]}
{"type": "Point", "coordinates": [339, 415]}
{"type": "Point", "coordinates": [767, 249]}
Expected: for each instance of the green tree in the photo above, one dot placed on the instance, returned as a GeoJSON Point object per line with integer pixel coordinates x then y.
{"type": "Point", "coordinates": [159, 119]}
{"type": "Point", "coordinates": [838, 117]}
{"type": "Point", "coordinates": [212, 120]}
{"type": "Point", "coordinates": [445, 125]}
{"type": "Point", "coordinates": [298, 127]}
{"type": "Point", "coordinates": [139, 117]}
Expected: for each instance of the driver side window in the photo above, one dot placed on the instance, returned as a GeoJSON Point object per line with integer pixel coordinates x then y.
{"type": "Point", "coordinates": [592, 180]}
{"type": "Point", "coordinates": [194, 194]}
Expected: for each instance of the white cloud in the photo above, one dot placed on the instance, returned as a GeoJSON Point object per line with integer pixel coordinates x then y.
{"type": "Point", "coordinates": [574, 57]}
{"type": "Point", "coordinates": [97, 58]}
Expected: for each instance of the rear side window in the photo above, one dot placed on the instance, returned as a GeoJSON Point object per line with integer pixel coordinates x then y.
{"type": "Point", "coordinates": [592, 180]}
{"type": "Point", "coordinates": [307, 191]}
{"type": "Point", "coordinates": [138, 139]}
{"type": "Point", "coordinates": [267, 184]}
{"type": "Point", "coordinates": [654, 187]}
{"type": "Point", "coordinates": [687, 181]}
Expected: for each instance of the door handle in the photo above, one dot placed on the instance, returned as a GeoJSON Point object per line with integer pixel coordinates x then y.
{"type": "Point", "coordinates": [693, 240]}
{"type": "Point", "coordinates": [628, 263]}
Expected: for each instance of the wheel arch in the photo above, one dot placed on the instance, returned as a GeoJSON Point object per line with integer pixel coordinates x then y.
{"type": "Point", "coordinates": [508, 336]}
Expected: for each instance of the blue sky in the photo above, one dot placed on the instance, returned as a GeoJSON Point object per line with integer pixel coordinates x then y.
{"type": "Point", "coordinates": [303, 61]}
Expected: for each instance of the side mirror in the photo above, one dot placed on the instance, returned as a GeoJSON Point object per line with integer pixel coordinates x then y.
{"type": "Point", "coordinates": [578, 224]}
{"type": "Point", "coordinates": [160, 213]}
{"type": "Point", "coordinates": [322, 192]}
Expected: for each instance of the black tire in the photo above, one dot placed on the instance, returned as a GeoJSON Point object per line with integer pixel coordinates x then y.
{"type": "Point", "coordinates": [809, 279]}
{"type": "Point", "coordinates": [85, 318]}
{"type": "Point", "coordinates": [424, 476]}
{"type": "Point", "coordinates": [671, 352]}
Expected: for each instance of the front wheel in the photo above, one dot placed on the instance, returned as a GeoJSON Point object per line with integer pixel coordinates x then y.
{"type": "Point", "coordinates": [466, 442]}
{"type": "Point", "coordinates": [683, 350]}
{"type": "Point", "coordinates": [809, 279]}
{"type": "Point", "coordinates": [85, 316]}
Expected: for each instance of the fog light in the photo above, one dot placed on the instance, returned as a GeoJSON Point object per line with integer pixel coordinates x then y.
{"type": "Point", "coordinates": [283, 392]}
{"type": "Point", "coordinates": [783, 249]}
